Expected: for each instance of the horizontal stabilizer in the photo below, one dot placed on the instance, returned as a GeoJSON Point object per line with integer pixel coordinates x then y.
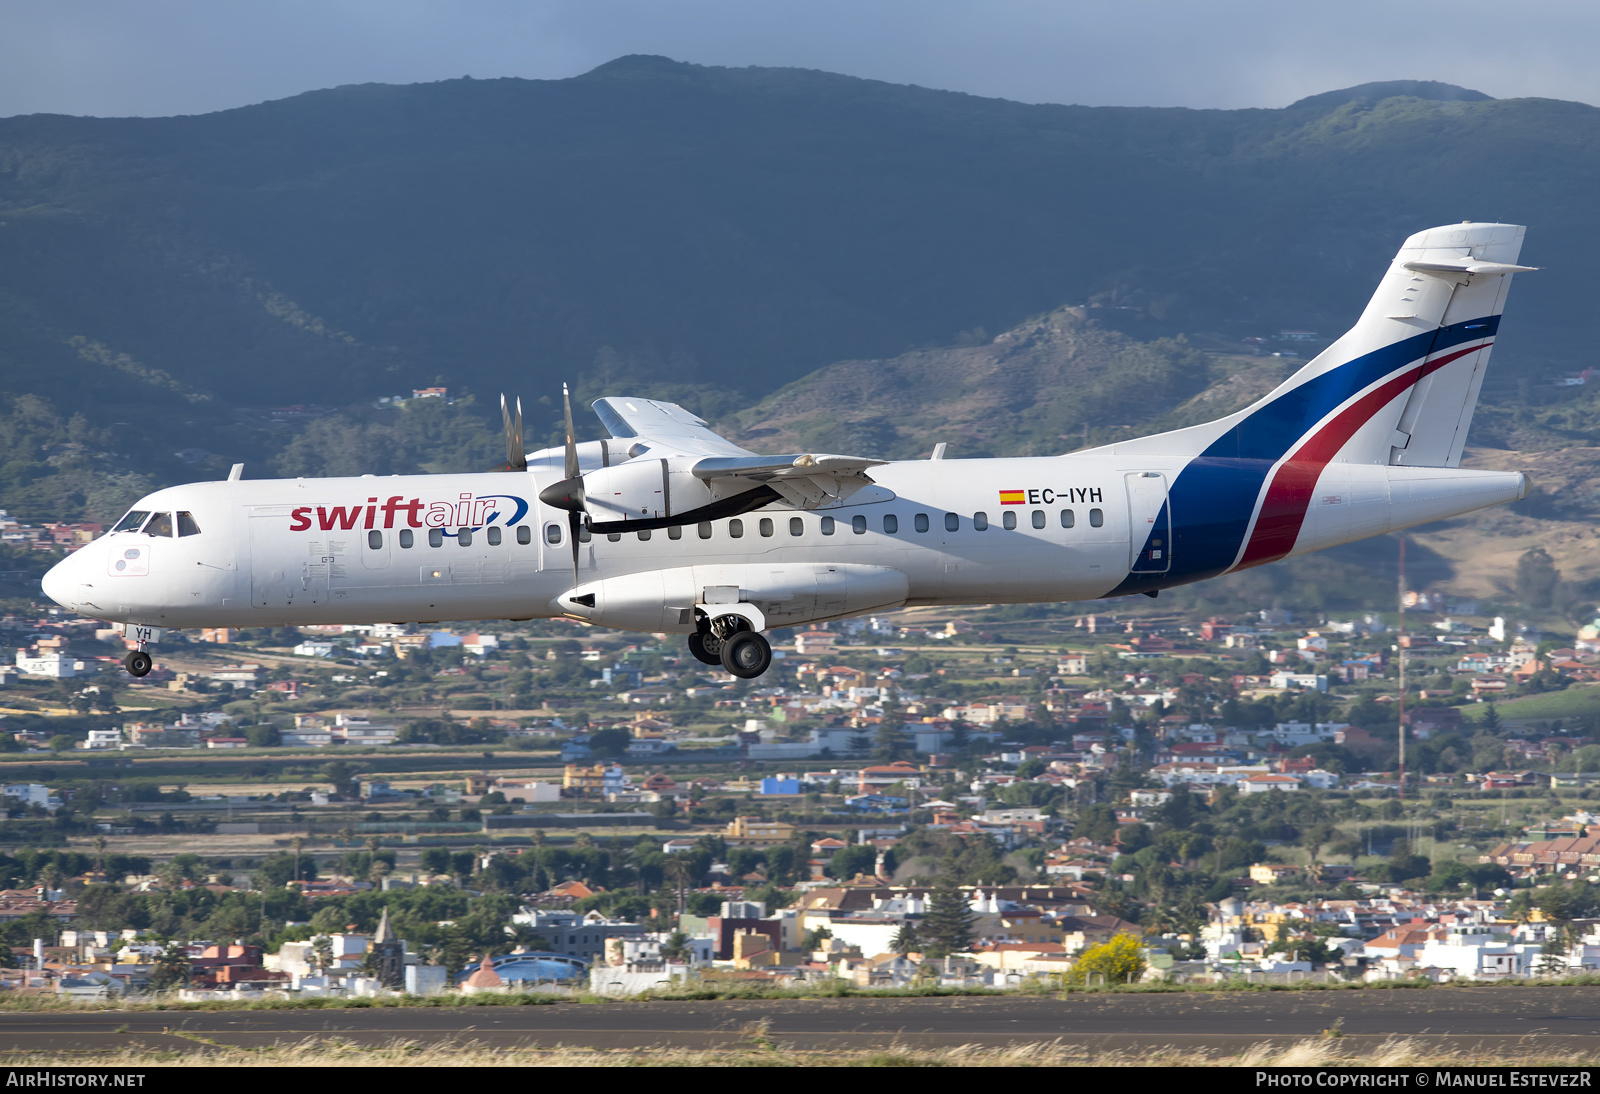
{"type": "Point", "coordinates": [1467, 266]}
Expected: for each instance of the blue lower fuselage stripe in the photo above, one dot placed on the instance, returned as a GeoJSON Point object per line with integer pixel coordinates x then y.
{"type": "Point", "coordinates": [1213, 497]}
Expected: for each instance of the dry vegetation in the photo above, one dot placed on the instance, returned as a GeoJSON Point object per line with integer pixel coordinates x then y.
{"type": "Point", "coordinates": [762, 1052]}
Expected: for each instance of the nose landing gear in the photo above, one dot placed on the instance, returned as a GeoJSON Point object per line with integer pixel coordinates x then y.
{"type": "Point", "coordinates": [139, 662]}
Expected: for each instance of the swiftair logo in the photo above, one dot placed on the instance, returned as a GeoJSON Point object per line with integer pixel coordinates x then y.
{"type": "Point", "coordinates": [467, 511]}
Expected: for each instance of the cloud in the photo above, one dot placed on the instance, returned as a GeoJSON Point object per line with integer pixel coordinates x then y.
{"type": "Point", "coordinates": [108, 57]}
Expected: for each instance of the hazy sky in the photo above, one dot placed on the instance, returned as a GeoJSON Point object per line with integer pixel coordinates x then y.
{"type": "Point", "coordinates": [152, 57]}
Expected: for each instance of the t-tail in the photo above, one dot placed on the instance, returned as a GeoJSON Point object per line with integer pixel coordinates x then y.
{"type": "Point", "coordinates": [1366, 438]}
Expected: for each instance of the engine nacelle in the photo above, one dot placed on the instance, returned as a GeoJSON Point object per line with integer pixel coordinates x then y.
{"type": "Point", "coordinates": [785, 595]}
{"type": "Point", "coordinates": [644, 490]}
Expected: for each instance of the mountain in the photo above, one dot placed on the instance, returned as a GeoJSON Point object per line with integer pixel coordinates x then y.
{"type": "Point", "coordinates": [1052, 384]}
{"type": "Point", "coordinates": [810, 260]}
{"type": "Point", "coordinates": [721, 232]}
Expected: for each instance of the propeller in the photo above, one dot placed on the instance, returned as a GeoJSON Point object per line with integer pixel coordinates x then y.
{"type": "Point", "coordinates": [568, 493]}
{"type": "Point", "coordinates": [516, 456]}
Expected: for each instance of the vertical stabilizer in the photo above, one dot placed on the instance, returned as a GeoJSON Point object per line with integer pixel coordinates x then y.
{"type": "Point", "coordinates": [1398, 388]}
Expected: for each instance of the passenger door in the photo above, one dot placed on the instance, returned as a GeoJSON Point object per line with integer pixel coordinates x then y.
{"type": "Point", "coordinates": [1149, 523]}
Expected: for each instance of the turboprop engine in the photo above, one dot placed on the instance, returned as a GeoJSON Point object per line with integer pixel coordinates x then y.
{"type": "Point", "coordinates": [646, 493]}
{"type": "Point", "coordinates": [687, 599]}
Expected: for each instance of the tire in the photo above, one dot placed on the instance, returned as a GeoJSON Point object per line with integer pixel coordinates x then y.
{"type": "Point", "coordinates": [706, 648]}
{"type": "Point", "coordinates": [138, 663]}
{"type": "Point", "coordinates": [746, 655]}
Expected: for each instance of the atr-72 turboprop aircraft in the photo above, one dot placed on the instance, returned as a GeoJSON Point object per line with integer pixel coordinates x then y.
{"type": "Point", "coordinates": [665, 526]}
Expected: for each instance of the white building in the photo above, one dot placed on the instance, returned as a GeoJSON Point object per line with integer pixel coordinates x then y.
{"type": "Point", "coordinates": [48, 663]}
{"type": "Point", "coordinates": [32, 794]}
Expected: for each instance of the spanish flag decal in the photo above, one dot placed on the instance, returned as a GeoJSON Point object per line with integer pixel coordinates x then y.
{"type": "Point", "coordinates": [1011, 497]}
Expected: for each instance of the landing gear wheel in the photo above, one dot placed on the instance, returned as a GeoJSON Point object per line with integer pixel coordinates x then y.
{"type": "Point", "coordinates": [138, 663]}
{"type": "Point", "coordinates": [706, 648]}
{"type": "Point", "coordinates": [747, 655]}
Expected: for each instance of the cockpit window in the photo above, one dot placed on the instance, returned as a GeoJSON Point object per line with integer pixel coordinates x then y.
{"type": "Point", "coordinates": [187, 526]}
{"type": "Point", "coordinates": [131, 522]}
{"type": "Point", "coordinates": [160, 525]}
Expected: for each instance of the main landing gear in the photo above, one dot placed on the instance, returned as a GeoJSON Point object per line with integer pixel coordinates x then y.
{"type": "Point", "coordinates": [728, 641]}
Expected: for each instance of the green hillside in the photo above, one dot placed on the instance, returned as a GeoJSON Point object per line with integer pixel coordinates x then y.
{"type": "Point", "coordinates": [724, 230]}
{"type": "Point", "coordinates": [811, 260]}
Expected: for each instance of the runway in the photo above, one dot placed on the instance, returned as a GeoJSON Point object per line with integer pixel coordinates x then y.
{"type": "Point", "coordinates": [1217, 1023]}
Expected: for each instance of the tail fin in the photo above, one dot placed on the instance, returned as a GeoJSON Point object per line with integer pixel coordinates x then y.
{"type": "Point", "coordinates": [1398, 388]}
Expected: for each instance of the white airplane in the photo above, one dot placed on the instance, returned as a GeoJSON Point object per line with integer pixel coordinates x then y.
{"type": "Point", "coordinates": [667, 527]}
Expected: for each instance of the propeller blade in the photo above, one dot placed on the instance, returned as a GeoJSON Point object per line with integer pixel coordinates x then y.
{"type": "Point", "coordinates": [574, 523]}
{"type": "Point", "coordinates": [572, 440]}
{"type": "Point", "coordinates": [516, 456]}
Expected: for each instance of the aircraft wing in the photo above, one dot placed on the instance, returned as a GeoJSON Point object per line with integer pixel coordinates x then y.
{"type": "Point", "coordinates": [805, 480]}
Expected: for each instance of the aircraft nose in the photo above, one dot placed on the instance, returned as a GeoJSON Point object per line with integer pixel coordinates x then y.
{"type": "Point", "coordinates": [60, 583]}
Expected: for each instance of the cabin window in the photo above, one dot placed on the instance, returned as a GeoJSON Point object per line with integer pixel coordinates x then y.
{"type": "Point", "coordinates": [1097, 518]}
{"type": "Point", "coordinates": [494, 535]}
{"type": "Point", "coordinates": [187, 525]}
{"type": "Point", "coordinates": [132, 521]}
{"type": "Point", "coordinates": [675, 532]}
{"type": "Point", "coordinates": [920, 522]}
{"type": "Point", "coordinates": [980, 521]}
{"type": "Point", "coordinates": [644, 534]}
{"type": "Point", "coordinates": [736, 528]}
{"type": "Point", "coordinates": [464, 537]}
{"type": "Point", "coordinates": [827, 526]}
{"type": "Point", "coordinates": [705, 530]}
{"type": "Point", "coordinates": [407, 539]}
{"type": "Point", "coordinates": [1038, 518]}
{"type": "Point", "coordinates": [435, 537]}
{"type": "Point", "coordinates": [952, 523]}
{"type": "Point", "coordinates": [1009, 519]}
{"type": "Point", "coordinates": [375, 540]}
{"type": "Point", "coordinates": [584, 535]}
{"type": "Point", "coordinates": [160, 525]}
{"type": "Point", "coordinates": [766, 526]}
{"type": "Point", "coordinates": [525, 534]}
{"type": "Point", "coordinates": [1068, 518]}
{"type": "Point", "coordinates": [797, 527]}
{"type": "Point", "coordinates": [614, 537]}
{"type": "Point", "coordinates": [858, 524]}
{"type": "Point", "coordinates": [552, 533]}
{"type": "Point", "coordinates": [891, 523]}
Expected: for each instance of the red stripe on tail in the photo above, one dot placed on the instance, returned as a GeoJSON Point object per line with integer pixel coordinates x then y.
{"type": "Point", "coordinates": [1284, 510]}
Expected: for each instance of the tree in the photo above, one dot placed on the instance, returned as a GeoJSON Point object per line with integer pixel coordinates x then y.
{"type": "Point", "coordinates": [947, 928]}
{"type": "Point", "coordinates": [171, 968]}
{"type": "Point", "coordinates": [906, 940]}
{"type": "Point", "coordinates": [1118, 960]}
{"type": "Point", "coordinates": [1553, 953]}
{"type": "Point", "coordinates": [675, 947]}
{"type": "Point", "coordinates": [1537, 579]}
{"type": "Point", "coordinates": [679, 870]}
{"type": "Point", "coordinates": [892, 742]}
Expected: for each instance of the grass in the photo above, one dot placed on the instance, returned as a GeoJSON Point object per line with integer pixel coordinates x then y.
{"type": "Point", "coordinates": [1571, 702]}
{"type": "Point", "coordinates": [762, 1051]}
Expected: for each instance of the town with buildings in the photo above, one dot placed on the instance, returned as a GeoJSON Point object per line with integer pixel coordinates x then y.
{"type": "Point", "coordinates": [962, 800]}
